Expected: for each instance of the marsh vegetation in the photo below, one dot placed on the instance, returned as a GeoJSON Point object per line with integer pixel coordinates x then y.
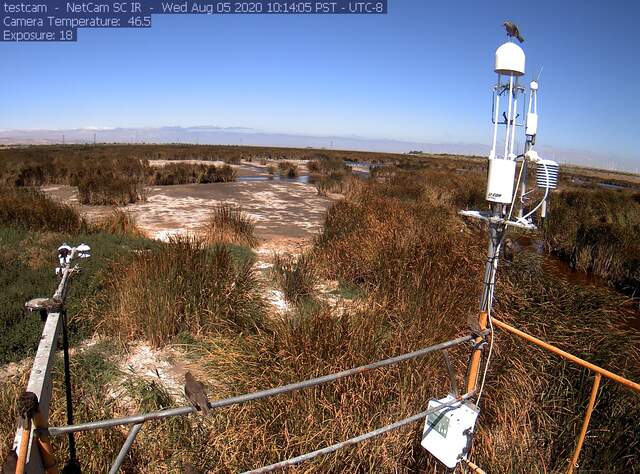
{"type": "Point", "coordinates": [396, 241]}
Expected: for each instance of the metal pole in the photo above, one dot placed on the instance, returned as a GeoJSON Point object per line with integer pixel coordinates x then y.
{"type": "Point", "coordinates": [496, 231]}
{"type": "Point", "coordinates": [156, 415]}
{"type": "Point", "coordinates": [585, 423]}
{"type": "Point", "coordinates": [357, 439]}
{"type": "Point", "coordinates": [40, 385]}
{"type": "Point", "coordinates": [506, 138]}
{"type": "Point", "coordinates": [523, 181]}
{"type": "Point", "coordinates": [513, 119]}
{"type": "Point", "coordinates": [496, 109]}
{"type": "Point", "coordinates": [125, 448]}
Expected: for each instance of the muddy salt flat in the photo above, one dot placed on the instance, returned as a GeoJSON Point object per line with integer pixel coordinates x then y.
{"type": "Point", "coordinates": [284, 210]}
{"type": "Point", "coordinates": [287, 213]}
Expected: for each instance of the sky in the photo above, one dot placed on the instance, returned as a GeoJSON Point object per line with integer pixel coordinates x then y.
{"type": "Point", "coordinates": [423, 73]}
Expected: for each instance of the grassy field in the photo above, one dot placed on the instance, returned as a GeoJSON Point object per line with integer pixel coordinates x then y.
{"type": "Point", "coordinates": [413, 269]}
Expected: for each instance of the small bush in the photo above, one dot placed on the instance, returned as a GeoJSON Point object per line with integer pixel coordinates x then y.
{"type": "Point", "coordinates": [185, 173]}
{"type": "Point", "coordinates": [226, 174]}
{"type": "Point", "coordinates": [182, 286]}
{"type": "Point", "coordinates": [32, 210]}
{"type": "Point", "coordinates": [229, 224]}
{"type": "Point", "coordinates": [313, 166]}
{"type": "Point", "coordinates": [288, 169]}
{"type": "Point", "coordinates": [328, 166]}
{"type": "Point", "coordinates": [111, 182]}
{"type": "Point", "coordinates": [331, 175]}
{"type": "Point", "coordinates": [297, 276]}
{"type": "Point", "coordinates": [336, 184]}
{"type": "Point", "coordinates": [119, 222]}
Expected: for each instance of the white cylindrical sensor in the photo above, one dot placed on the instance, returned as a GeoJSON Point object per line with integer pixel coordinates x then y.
{"type": "Point", "coordinates": [500, 181]}
{"type": "Point", "coordinates": [509, 60]}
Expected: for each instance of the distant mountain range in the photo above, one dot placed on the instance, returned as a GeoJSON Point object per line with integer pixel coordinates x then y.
{"type": "Point", "coordinates": [211, 135]}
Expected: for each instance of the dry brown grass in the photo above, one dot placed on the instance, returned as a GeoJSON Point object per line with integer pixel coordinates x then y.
{"type": "Point", "coordinates": [288, 169]}
{"type": "Point", "coordinates": [598, 232]}
{"type": "Point", "coordinates": [119, 222]}
{"type": "Point", "coordinates": [419, 266]}
{"type": "Point", "coordinates": [30, 209]}
{"type": "Point", "coordinates": [230, 224]}
{"type": "Point", "coordinates": [110, 181]}
{"type": "Point", "coordinates": [180, 286]}
{"type": "Point", "coordinates": [187, 173]}
{"type": "Point", "coordinates": [297, 276]}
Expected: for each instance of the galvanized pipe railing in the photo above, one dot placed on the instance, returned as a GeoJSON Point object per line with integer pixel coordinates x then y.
{"type": "Point", "coordinates": [160, 414]}
{"type": "Point", "coordinates": [122, 455]}
{"type": "Point", "coordinates": [358, 439]}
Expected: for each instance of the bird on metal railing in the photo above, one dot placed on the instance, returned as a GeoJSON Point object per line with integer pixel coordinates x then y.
{"type": "Point", "coordinates": [512, 31]}
{"type": "Point", "coordinates": [194, 391]}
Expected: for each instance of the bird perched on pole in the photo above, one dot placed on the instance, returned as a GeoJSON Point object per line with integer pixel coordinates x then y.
{"type": "Point", "coordinates": [194, 391]}
{"type": "Point", "coordinates": [512, 30]}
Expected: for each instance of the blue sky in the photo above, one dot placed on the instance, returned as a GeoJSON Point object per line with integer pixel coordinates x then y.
{"type": "Point", "coordinates": [421, 73]}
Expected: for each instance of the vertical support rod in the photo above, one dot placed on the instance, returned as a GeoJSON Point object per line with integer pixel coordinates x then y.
{"type": "Point", "coordinates": [496, 108]}
{"type": "Point", "coordinates": [125, 448]}
{"type": "Point", "coordinates": [67, 386]}
{"type": "Point", "coordinates": [512, 120]}
{"type": "Point", "coordinates": [453, 389]}
{"type": "Point", "coordinates": [585, 423]}
{"type": "Point", "coordinates": [506, 138]}
{"type": "Point", "coordinates": [523, 182]}
{"type": "Point", "coordinates": [496, 232]}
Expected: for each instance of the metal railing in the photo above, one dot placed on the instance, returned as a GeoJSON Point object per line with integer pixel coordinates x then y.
{"type": "Point", "coordinates": [32, 440]}
{"type": "Point", "coordinates": [599, 373]}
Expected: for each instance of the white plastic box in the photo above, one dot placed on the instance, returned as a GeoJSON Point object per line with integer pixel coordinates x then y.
{"type": "Point", "coordinates": [500, 180]}
{"type": "Point", "coordinates": [448, 432]}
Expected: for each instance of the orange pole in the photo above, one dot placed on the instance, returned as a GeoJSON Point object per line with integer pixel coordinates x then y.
{"type": "Point", "coordinates": [474, 367]}
{"type": "Point", "coordinates": [44, 443]}
{"type": "Point", "coordinates": [474, 467]}
{"type": "Point", "coordinates": [585, 423]}
{"type": "Point", "coordinates": [577, 360]}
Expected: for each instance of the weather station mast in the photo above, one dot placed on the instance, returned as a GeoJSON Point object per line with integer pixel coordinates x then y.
{"type": "Point", "coordinates": [449, 436]}
{"type": "Point", "coordinates": [502, 184]}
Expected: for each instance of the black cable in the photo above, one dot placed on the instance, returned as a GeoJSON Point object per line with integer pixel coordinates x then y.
{"type": "Point", "coordinates": [72, 465]}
